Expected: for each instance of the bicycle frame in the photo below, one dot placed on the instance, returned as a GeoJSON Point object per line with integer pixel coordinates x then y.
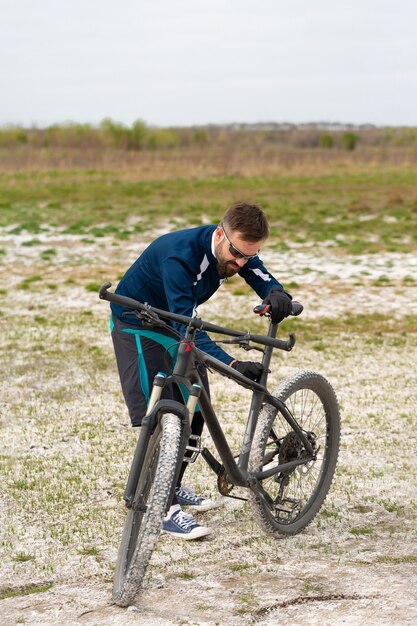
{"type": "Point", "coordinates": [185, 373]}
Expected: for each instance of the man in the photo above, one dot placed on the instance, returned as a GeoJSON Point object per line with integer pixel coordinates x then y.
{"type": "Point", "coordinates": [177, 272]}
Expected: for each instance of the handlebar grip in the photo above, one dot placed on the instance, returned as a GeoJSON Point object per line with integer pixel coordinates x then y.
{"type": "Point", "coordinates": [262, 309]}
{"type": "Point", "coordinates": [297, 308]}
{"type": "Point", "coordinates": [118, 299]}
{"type": "Point", "coordinates": [103, 291]}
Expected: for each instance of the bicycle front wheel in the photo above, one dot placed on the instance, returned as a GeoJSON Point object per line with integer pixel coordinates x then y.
{"type": "Point", "coordinates": [294, 497]}
{"type": "Point", "coordinates": [143, 522]}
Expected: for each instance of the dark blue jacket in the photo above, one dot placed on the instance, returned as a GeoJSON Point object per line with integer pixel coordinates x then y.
{"type": "Point", "coordinates": [178, 271]}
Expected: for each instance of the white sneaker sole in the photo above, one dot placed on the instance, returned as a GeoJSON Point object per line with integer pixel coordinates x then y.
{"type": "Point", "coordinates": [211, 504]}
{"type": "Point", "coordinates": [203, 531]}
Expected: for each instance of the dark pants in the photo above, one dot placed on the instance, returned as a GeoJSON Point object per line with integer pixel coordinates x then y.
{"type": "Point", "coordinates": [140, 355]}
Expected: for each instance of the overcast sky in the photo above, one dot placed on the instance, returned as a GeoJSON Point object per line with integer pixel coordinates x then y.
{"type": "Point", "coordinates": [183, 62]}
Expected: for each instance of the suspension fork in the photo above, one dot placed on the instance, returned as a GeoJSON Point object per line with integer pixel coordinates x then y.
{"type": "Point", "coordinates": [156, 408]}
{"type": "Point", "coordinates": [194, 392]}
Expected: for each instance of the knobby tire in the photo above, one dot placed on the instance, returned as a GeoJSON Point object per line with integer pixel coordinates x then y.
{"type": "Point", "coordinates": [143, 521]}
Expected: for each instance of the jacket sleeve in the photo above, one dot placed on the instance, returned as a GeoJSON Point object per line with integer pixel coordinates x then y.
{"type": "Point", "coordinates": [257, 276]}
{"type": "Point", "coordinates": [178, 283]}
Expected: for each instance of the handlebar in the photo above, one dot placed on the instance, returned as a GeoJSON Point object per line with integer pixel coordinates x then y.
{"type": "Point", "coordinates": [154, 314]}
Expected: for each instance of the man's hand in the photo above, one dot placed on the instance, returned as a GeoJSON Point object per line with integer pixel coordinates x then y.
{"type": "Point", "coordinates": [280, 305]}
{"type": "Point", "coordinates": [249, 369]}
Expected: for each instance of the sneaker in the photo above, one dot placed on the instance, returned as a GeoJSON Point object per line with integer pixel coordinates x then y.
{"type": "Point", "coordinates": [180, 524]}
{"type": "Point", "coordinates": [188, 497]}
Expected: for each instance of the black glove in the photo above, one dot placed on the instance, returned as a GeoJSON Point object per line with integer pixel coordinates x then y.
{"type": "Point", "coordinates": [249, 369]}
{"type": "Point", "coordinates": [281, 306]}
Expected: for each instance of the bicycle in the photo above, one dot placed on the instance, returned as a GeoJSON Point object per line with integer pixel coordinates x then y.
{"type": "Point", "coordinates": [287, 458]}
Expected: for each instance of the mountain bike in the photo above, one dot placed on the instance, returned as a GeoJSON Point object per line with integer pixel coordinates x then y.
{"type": "Point", "coordinates": [287, 457]}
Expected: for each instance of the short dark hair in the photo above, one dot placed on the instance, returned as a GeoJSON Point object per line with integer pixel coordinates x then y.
{"type": "Point", "coordinates": [247, 219]}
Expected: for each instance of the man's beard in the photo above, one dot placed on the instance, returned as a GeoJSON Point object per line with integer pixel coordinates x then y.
{"type": "Point", "coordinates": [227, 269]}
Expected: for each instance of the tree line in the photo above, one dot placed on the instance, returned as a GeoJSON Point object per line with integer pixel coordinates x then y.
{"type": "Point", "coordinates": [140, 136]}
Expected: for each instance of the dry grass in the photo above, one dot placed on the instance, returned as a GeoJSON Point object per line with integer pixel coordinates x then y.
{"type": "Point", "coordinates": [233, 159]}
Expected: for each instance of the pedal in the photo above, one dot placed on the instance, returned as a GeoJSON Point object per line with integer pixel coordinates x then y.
{"type": "Point", "coordinates": [194, 449]}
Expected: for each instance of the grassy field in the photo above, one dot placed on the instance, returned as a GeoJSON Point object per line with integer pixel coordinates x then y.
{"type": "Point", "coordinates": [361, 212]}
{"type": "Point", "coordinates": [344, 242]}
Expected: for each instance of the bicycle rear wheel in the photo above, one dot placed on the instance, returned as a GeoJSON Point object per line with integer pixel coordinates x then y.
{"type": "Point", "coordinates": [143, 522]}
{"type": "Point", "coordinates": [293, 498]}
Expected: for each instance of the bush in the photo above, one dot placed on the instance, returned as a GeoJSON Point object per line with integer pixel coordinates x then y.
{"type": "Point", "coordinates": [349, 140]}
{"type": "Point", "coordinates": [115, 133]}
{"type": "Point", "coordinates": [12, 136]}
{"type": "Point", "coordinates": [137, 135]}
{"type": "Point", "coordinates": [326, 141]}
{"type": "Point", "coordinates": [162, 138]}
{"type": "Point", "coordinates": [201, 137]}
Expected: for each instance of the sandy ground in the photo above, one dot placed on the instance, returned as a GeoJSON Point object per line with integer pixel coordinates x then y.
{"type": "Point", "coordinates": [356, 563]}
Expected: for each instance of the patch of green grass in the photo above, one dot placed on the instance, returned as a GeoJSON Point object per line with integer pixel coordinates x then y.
{"type": "Point", "coordinates": [31, 242]}
{"type": "Point", "coordinates": [26, 225]}
{"type": "Point", "coordinates": [22, 484]}
{"type": "Point", "coordinates": [28, 282]}
{"type": "Point", "coordinates": [48, 254]}
{"type": "Point", "coordinates": [94, 287]}
{"type": "Point", "coordinates": [241, 291]}
{"type": "Point", "coordinates": [78, 228]}
{"type": "Point", "coordinates": [392, 507]}
{"type": "Point", "coordinates": [22, 557]}
{"type": "Point", "coordinates": [24, 591]}
{"type": "Point", "coordinates": [186, 575]}
{"type": "Point", "coordinates": [382, 281]}
{"type": "Point", "coordinates": [372, 326]}
{"type": "Point", "coordinates": [240, 567]}
{"type": "Point", "coordinates": [330, 513]}
{"type": "Point", "coordinates": [362, 530]}
{"type": "Point", "coordinates": [247, 603]}
{"type": "Point", "coordinates": [39, 319]}
{"type": "Point", "coordinates": [396, 560]}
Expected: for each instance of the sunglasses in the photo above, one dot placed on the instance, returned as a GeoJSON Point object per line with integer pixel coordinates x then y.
{"type": "Point", "coordinates": [234, 251]}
